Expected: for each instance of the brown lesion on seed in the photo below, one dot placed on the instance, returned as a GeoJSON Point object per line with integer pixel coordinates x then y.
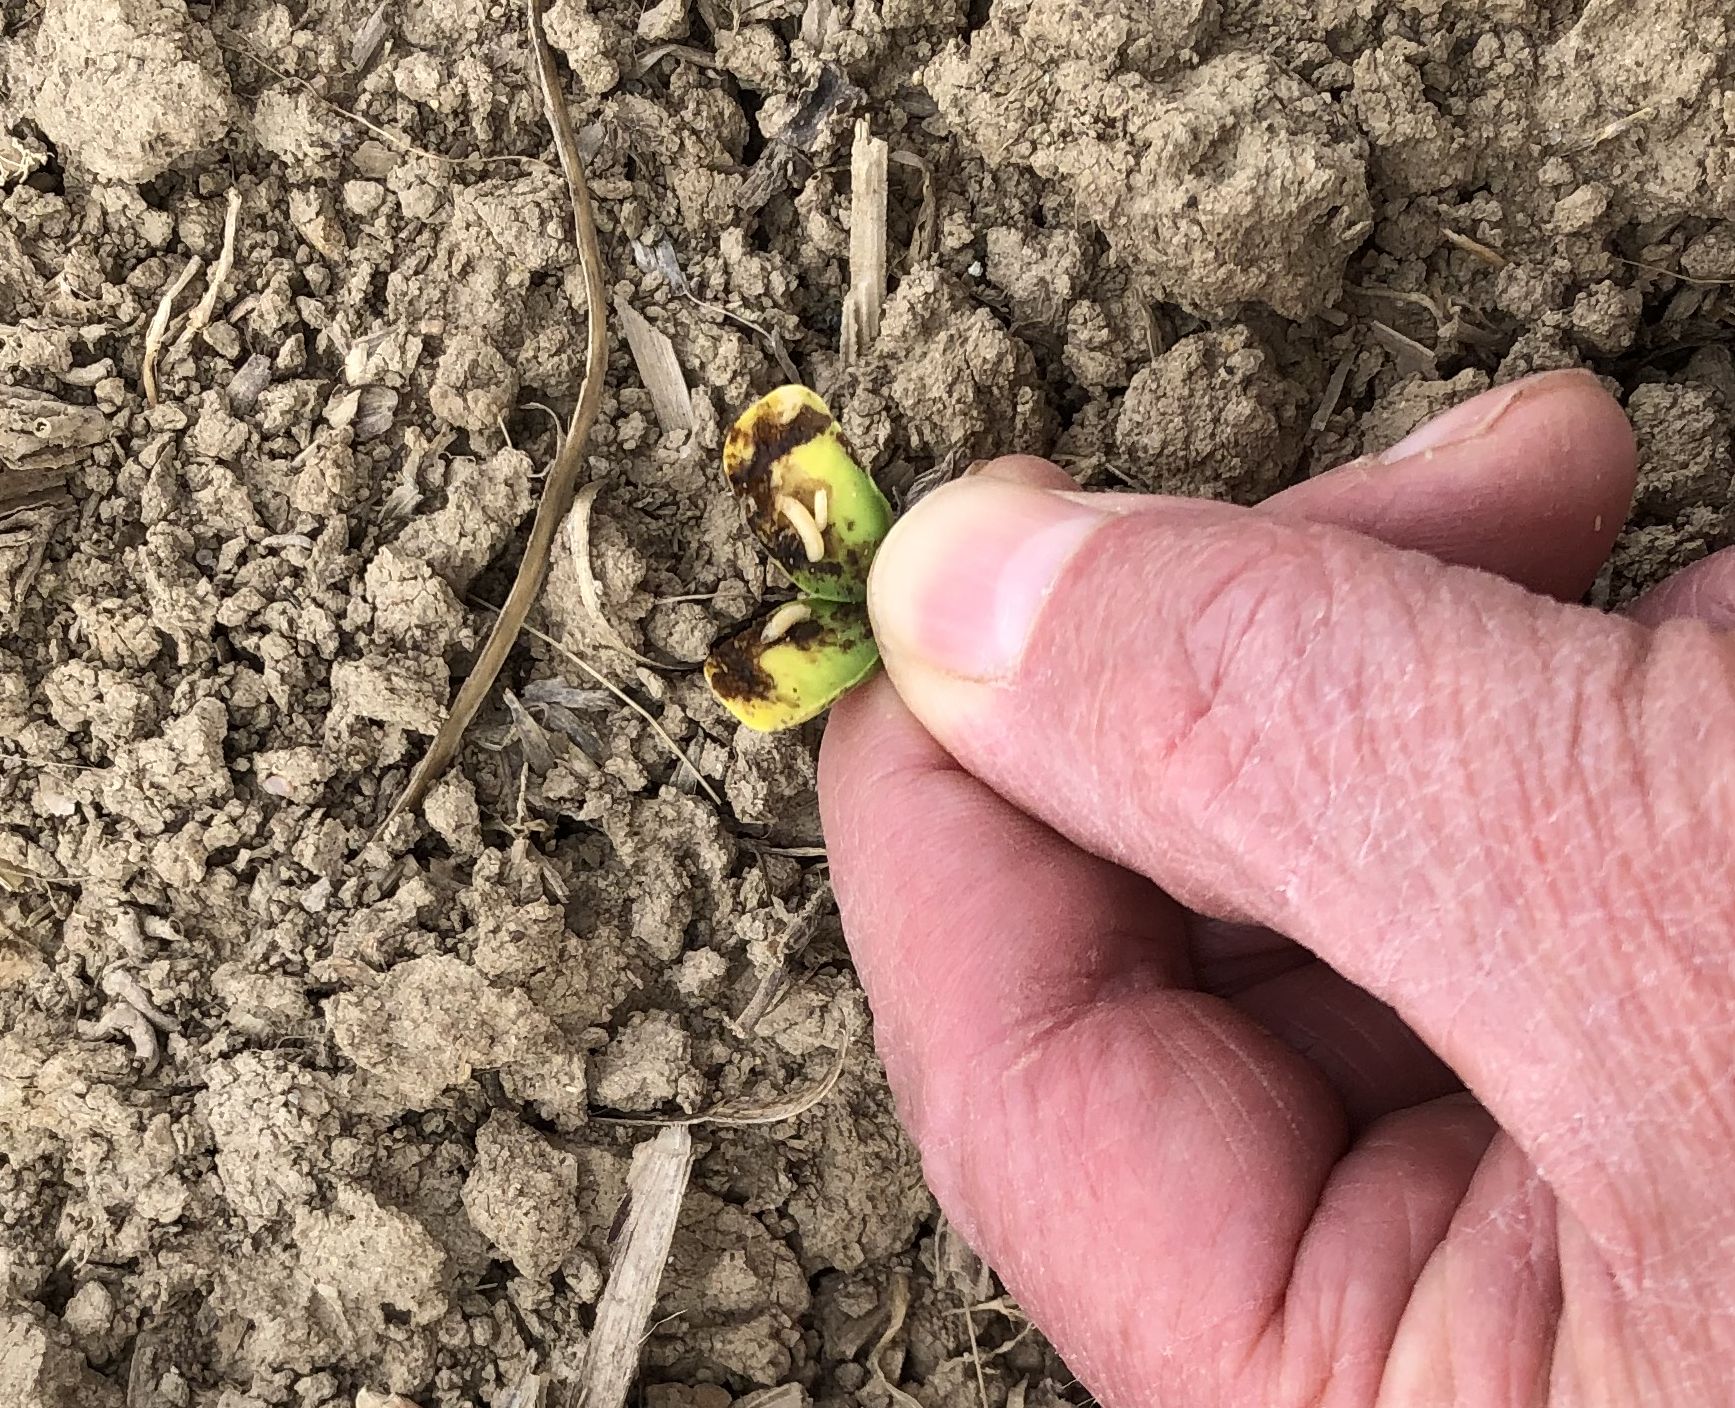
{"type": "Point", "coordinates": [751, 452]}
{"type": "Point", "coordinates": [734, 671]}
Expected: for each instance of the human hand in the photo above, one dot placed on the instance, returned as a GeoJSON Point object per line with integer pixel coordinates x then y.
{"type": "Point", "coordinates": [1133, 741]}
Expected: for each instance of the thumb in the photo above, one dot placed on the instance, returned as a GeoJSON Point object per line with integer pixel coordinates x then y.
{"type": "Point", "coordinates": [1507, 817]}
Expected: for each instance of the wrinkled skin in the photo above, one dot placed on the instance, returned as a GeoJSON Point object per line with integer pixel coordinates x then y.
{"type": "Point", "coordinates": [1305, 962]}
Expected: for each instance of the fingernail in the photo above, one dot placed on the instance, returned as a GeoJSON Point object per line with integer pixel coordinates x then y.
{"type": "Point", "coordinates": [1472, 419]}
{"type": "Point", "coordinates": [961, 579]}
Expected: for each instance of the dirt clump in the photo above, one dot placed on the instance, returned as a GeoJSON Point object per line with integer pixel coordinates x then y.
{"type": "Point", "coordinates": [127, 88]}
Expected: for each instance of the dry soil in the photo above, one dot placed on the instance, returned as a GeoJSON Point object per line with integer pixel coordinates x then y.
{"type": "Point", "coordinates": [286, 1116]}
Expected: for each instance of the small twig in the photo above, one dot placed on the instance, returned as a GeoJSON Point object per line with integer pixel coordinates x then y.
{"type": "Point", "coordinates": [802, 927]}
{"type": "Point", "coordinates": [1333, 392]}
{"type": "Point", "coordinates": [976, 1357]}
{"type": "Point", "coordinates": [1491, 257]}
{"type": "Point", "coordinates": [562, 479]}
{"type": "Point", "coordinates": [575, 658]}
{"type": "Point", "coordinates": [651, 57]}
{"type": "Point", "coordinates": [159, 327]}
{"type": "Point", "coordinates": [1687, 279]}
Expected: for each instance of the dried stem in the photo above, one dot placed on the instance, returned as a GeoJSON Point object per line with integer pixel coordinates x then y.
{"type": "Point", "coordinates": [562, 479]}
{"type": "Point", "coordinates": [159, 327]}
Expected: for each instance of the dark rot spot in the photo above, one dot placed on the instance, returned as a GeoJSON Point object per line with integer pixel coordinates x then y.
{"type": "Point", "coordinates": [789, 679]}
{"type": "Point", "coordinates": [757, 441]}
{"type": "Point", "coordinates": [733, 670]}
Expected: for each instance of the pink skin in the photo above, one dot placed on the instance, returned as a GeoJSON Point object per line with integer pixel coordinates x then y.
{"type": "Point", "coordinates": [1180, 902]}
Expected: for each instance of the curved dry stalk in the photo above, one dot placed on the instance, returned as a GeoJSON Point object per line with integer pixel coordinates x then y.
{"type": "Point", "coordinates": [740, 1111]}
{"type": "Point", "coordinates": [562, 478]}
{"type": "Point", "coordinates": [159, 326]}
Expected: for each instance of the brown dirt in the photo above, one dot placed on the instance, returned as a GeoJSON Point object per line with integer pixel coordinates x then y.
{"type": "Point", "coordinates": [285, 1117]}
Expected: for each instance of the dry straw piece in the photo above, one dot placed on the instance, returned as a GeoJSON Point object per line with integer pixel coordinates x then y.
{"type": "Point", "coordinates": [659, 368]}
{"type": "Point", "coordinates": [867, 244]}
{"type": "Point", "coordinates": [562, 479]}
{"type": "Point", "coordinates": [656, 1186]}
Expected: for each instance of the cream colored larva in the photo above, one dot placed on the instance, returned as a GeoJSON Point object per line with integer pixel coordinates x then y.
{"type": "Point", "coordinates": [785, 618]}
{"type": "Point", "coordinates": [800, 518]}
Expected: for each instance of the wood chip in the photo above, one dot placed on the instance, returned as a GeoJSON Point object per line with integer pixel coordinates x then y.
{"type": "Point", "coordinates": [925, 232]}
{"type": "Point", "coordinates": [783, 1396]}
{"type": "Point", "coordinates": [368, 39]}
{"type": "Point", "coordinates": [1491, 257]}
{"type": "Point", "coordinates": [867, 244]}
{"type": "Point", "coordinates": [656, 1186]}
{"type": "Point", "coordinates": [247, 384]}
{"type": "Point", "coordinates": [1333, 393]}
{"type": "Point", "coordinates": [531, 735]}
{"type": "Point", "coordinates": [1410, 355]}
{"type": "Point", "coordinates": [659, 368]}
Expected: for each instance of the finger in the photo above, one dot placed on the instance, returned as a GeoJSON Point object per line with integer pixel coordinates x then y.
{"type": "Point", "coordinates": [892, 796]}
{"type": "Point", "coordinates": [1367, 1053]}
{"type": "Point", "coordinates": [1531, 481]}
{"type": "Point", "coordinates": [1140, 1164]}
{"type": "Point", "coordinates": [1704, 591]}
{"type": "Point", "coordinates": [1029, 470]}
{"type": "Point", "coordinates": [1362, 748]}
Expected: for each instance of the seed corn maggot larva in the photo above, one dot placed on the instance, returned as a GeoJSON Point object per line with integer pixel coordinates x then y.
{"type": "Point", "coordinates": [782, 620]}
{"type": "Point", "coordinates": [800, 518]}
{"type": "Point", "coordinates": [821, 509]}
